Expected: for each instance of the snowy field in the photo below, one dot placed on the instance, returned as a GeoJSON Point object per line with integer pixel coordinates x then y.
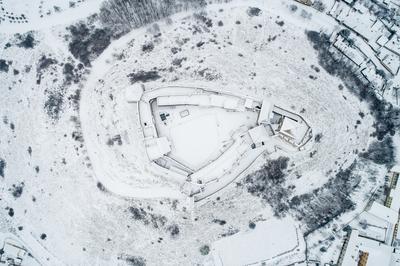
{"type": "Point", "coordinates": [19, 16]}
{"type": "Point", "coordinates": [56, 162]}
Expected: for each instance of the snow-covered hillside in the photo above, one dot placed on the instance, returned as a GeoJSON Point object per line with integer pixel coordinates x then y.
{"type": "Point", "coordinates": [76, 187]}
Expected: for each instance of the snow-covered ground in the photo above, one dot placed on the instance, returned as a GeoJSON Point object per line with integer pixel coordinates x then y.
{"type": "Point", "coordinates": [268, 69]}
{"type": "Point", "coordinates": [18, 16]}
{"type": "Point", "coordinates": [61, 211]}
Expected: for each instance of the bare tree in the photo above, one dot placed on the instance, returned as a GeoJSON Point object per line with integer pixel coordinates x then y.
{"type": "Point", "coordinates": [124, 15]}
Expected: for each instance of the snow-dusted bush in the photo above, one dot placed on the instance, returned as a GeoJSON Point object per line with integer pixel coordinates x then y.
{"type": "Point", "coordinates": [54, 104]}
{"type": "Point", "coordinates": [253, 11]}
{"type": "Point", "coordinates": [305, 14]}
{"type": "Point", "coordinates": [173, 230]}
{"type": "Point", "coordinates": [318, 137]}
{"type": "Point", "coordinates": [101, 187]}
{"type": "Point", "coordinates": [27, 40]}
{"type": "Point", "coordinates": [143, 76]}
{"type": "Point", "coordinates": [156, 220]}
{"type": "Point", "coordinates": [4, 66]}
{"type": "Point", "coordinates": [17, 189]}
{"type": "Point", "coordinates": [115, 140]}
{"type": "Point", "coordinates": [252, 225]}
{"type": "Point", "coordinates": [219, 221]}
{"type": "Point", "coordinates": [133, 260]}
{"type": "Point", "coordinates": [87, 43]}
{"type": "Point", "coordinates": [45, 62]}
{"type": "Point", "coordinates": [273, 170]}
{"type": "Point", "coordinates": [77, 135]}
{"type": "Point", "coordinates": [75, 99]}
{"type": "Point", "coordinates": [204, 250]}
{"type": "Point", "coordinates": [72, 73]}
{"type": "Point", "coordinates": [293, 8]}
{"type": "Point", "coordinates": [178, 61]}
{"type": "Point", "coordinates": [319, 5]}
{"type": "Point", "coordinates": [137, 213]}
{"type": "Point", "coordinates": [381, 152]}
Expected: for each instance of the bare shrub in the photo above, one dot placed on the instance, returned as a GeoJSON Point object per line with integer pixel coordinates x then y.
{"type": "Point", "coordinates": [204, 250]}
{"type": "Point", "coordinates": [27, 40]}
{"type": "Point", "coordinates": [319, 5]}
{"type": "Point", "coordinates": [2, 167]}
{"type": "Point", "coordinates": [219, 221]}
{"type": "Point", "coordinates": [133, 260]}
{"type": "Point", "coordinates": [143, 76]}
{"type": "Point", "coordinates": [202, 18]}
{"type": "Point", "coordinates": [4, 66]}
{"type": "Point", "coordinates": [318, 137]}
{"type": "Point", "coordinates": [252, 225]}
{"type": "Point", "coordinates": [173, 230]}
{"type": "Point", "coordinates": [156, 220]}
{"type": "Point", "coordinates": [101, 187]}
{"type": "Point", "coordinates": [253, 11]}
{"type": "Point", "coordinates": [45, 62]}
{"type": "Point", "coordinates": [54, 104]}
{"type": "Point", "coordinates": [147, 47]}
{"type": "Point", "coordinates": [293, 8]}
{"type": "Point", "coordinates": [17, 190]}
{"type": "Point", "coordinates": [178, 61]}
{"type": "Point", "coordinates": [305, 14]}
{"type": "Point", "coordinates": [116, 139]}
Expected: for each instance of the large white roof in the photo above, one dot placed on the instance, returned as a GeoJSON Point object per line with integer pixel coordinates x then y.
{"type": "Point", "coordinates": [378, 253]}
{"type": "Point", "coordinates": [383, 212]}
{"type": "Point", "coordinates": [270, 240]}
{"type": "Point", "coordinates": [265, 113]}
{"type": "Point", "coordinates": [293, 129]}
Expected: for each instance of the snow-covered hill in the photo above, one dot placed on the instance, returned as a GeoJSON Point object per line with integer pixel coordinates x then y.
{"type": "Point", "coordinates": [66, 132]}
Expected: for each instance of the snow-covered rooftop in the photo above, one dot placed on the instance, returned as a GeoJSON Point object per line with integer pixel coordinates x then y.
{"type": "Point", "coordinates": [376, 252]}
{"type": "Point", "coordinates": [272, 241]}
